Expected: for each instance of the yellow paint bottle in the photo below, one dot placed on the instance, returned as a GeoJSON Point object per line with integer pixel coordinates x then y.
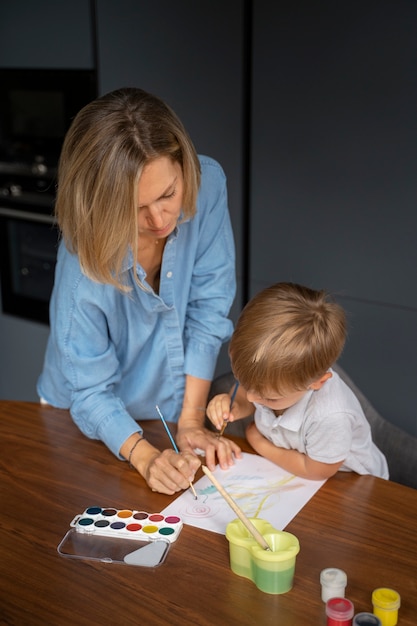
{"type": "Point", "coordinates": [386, 603]}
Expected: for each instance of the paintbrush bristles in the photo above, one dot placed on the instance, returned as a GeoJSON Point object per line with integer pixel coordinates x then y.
{"type": "Point", "coordinates": [193, 490]}
{"type": "Point", "coordinates": [222, 430]}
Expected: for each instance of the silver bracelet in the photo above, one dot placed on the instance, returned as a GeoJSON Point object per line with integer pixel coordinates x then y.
{"type": "Point", "coordinates": [132, 449]}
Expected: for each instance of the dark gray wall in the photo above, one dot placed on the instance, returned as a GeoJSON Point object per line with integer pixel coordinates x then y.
{"type": "Point", "coordinates": [334, 155]}
{"type": "Point", "coordinates": [46, 33]}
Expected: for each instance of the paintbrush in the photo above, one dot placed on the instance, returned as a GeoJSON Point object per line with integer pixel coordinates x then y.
{"type": "Point", "coordinates": [245, 520]}
{"type": "Point", "coordinates": [230, 408]}
{"type": "Point", "coordinates": [174, 445]}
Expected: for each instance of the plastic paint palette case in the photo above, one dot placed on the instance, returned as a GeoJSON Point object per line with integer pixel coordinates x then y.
{"type": "Point", "coordinates": [121, 536]}
{"type": "Point", "coordinates": [127, 523]}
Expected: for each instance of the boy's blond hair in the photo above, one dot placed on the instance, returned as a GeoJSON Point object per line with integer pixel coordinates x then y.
{"type": "Point", "coordinates": [104, 152]}
{"type": "Point", "coordinates": [286, 338]}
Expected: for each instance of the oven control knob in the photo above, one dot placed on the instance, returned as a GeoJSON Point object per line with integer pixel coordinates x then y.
{"type": "Point", "coordinates": [16, 190]}
{"type": "Point", "coordinates": [39, 168]}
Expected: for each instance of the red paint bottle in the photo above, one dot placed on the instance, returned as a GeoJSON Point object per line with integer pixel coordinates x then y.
{"type": "Point", "coordinates": [339, 612]}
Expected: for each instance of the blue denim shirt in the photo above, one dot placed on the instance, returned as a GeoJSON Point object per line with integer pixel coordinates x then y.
{"type": "Point", "coordinates": [111, 357]}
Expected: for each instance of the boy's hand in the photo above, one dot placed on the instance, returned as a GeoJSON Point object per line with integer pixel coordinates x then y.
{"type": "Point", "coordinates": [218, 410]}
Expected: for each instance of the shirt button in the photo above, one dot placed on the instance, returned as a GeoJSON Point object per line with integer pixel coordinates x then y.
{"type": "Point", "coordinates": [169, 274]}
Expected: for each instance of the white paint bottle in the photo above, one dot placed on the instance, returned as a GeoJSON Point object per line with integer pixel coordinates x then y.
{"type": "Point", "coordinates": [333, 582]}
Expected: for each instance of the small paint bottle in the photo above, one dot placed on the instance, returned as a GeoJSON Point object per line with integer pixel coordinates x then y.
{"type": "Point", "coordinates": [366, 619]}
{"type": "Point", "coordinates": [386, 603]}
{"type": "Point", "coordinates": [333, 582]}
{"type": "Point", "coordinates": [339, 612]}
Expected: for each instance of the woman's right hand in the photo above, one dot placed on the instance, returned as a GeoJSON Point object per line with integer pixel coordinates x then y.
{"type": "Point", "coordinates": [167, 471]}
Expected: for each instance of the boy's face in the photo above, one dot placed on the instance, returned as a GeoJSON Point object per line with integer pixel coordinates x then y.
{"type": "Point", "coordinates": [274, 401]}
{"type": "Point", "coordinates": [279, 403]}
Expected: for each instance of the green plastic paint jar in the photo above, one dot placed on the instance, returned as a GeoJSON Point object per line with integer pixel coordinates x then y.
{"type": "Point", "coordinates": [272, 570]}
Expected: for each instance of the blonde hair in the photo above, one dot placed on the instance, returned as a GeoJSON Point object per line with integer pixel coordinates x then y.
{"type": "Point", "coordinates": [286, 338]}
{"type": "Point", "coordinates": [104, 152]}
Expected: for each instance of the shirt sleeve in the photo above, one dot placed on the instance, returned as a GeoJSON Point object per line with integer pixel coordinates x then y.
{"type": "Point", "coordinates": [329, 439]}
{"type": "Point", "coordinates": [81, 365]}
{"type": "Point", "coordinates": [213, 284]}
{"type": "Point", "coordinates": [92, 373]}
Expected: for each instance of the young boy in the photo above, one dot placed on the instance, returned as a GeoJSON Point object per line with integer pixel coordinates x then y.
{"type": "Point", "coordinates": [307, 420]}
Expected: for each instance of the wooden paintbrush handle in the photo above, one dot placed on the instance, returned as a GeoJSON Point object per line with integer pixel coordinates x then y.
{"type": "Point", "coordinates": [245, 520]}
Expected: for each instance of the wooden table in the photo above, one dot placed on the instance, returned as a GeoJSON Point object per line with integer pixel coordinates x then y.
{"type": "Point", "coordinates": [50, 472]}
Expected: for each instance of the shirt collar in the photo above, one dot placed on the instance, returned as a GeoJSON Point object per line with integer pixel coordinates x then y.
{"type": "Point", "coordinates": [129, 258]}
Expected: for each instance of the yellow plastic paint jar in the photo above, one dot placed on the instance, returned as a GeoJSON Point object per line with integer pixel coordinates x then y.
{"type": "Point", "coordinates": [386, 603]}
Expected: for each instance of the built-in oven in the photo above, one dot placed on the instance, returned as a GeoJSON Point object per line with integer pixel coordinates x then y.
{"type": "Point", "coordinates": [28, 242]}
{"type": "Point", "coordinates": [36, 109]}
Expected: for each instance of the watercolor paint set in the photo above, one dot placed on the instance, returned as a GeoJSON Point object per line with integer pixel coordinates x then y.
{"type": "Point", "coordinates": [111, 535]}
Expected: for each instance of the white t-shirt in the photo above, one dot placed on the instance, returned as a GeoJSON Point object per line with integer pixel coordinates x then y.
{"type": "Point", "coordinates": [327, 425]}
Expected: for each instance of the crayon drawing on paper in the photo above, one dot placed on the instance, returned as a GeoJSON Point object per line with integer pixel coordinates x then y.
{"type": "Point", "coordinates": [258, 486]}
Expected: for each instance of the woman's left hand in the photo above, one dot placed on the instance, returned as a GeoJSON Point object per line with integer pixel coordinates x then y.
{"type": "Point", "coordinates": [194, 437]}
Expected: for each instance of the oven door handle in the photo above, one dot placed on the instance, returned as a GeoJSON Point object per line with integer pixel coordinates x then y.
{"type": "Point", "coordinates": [27, 215]}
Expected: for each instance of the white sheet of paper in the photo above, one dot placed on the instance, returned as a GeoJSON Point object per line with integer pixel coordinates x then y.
{"type": "Point", "coordinates": [260, 488]}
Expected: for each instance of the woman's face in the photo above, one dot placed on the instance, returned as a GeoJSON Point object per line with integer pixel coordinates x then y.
{"type": "Point", "coordinates": [159, 198]}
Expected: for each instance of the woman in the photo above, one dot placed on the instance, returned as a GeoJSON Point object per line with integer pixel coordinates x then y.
{"type": "Point", "coordinates": [143, 286]}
